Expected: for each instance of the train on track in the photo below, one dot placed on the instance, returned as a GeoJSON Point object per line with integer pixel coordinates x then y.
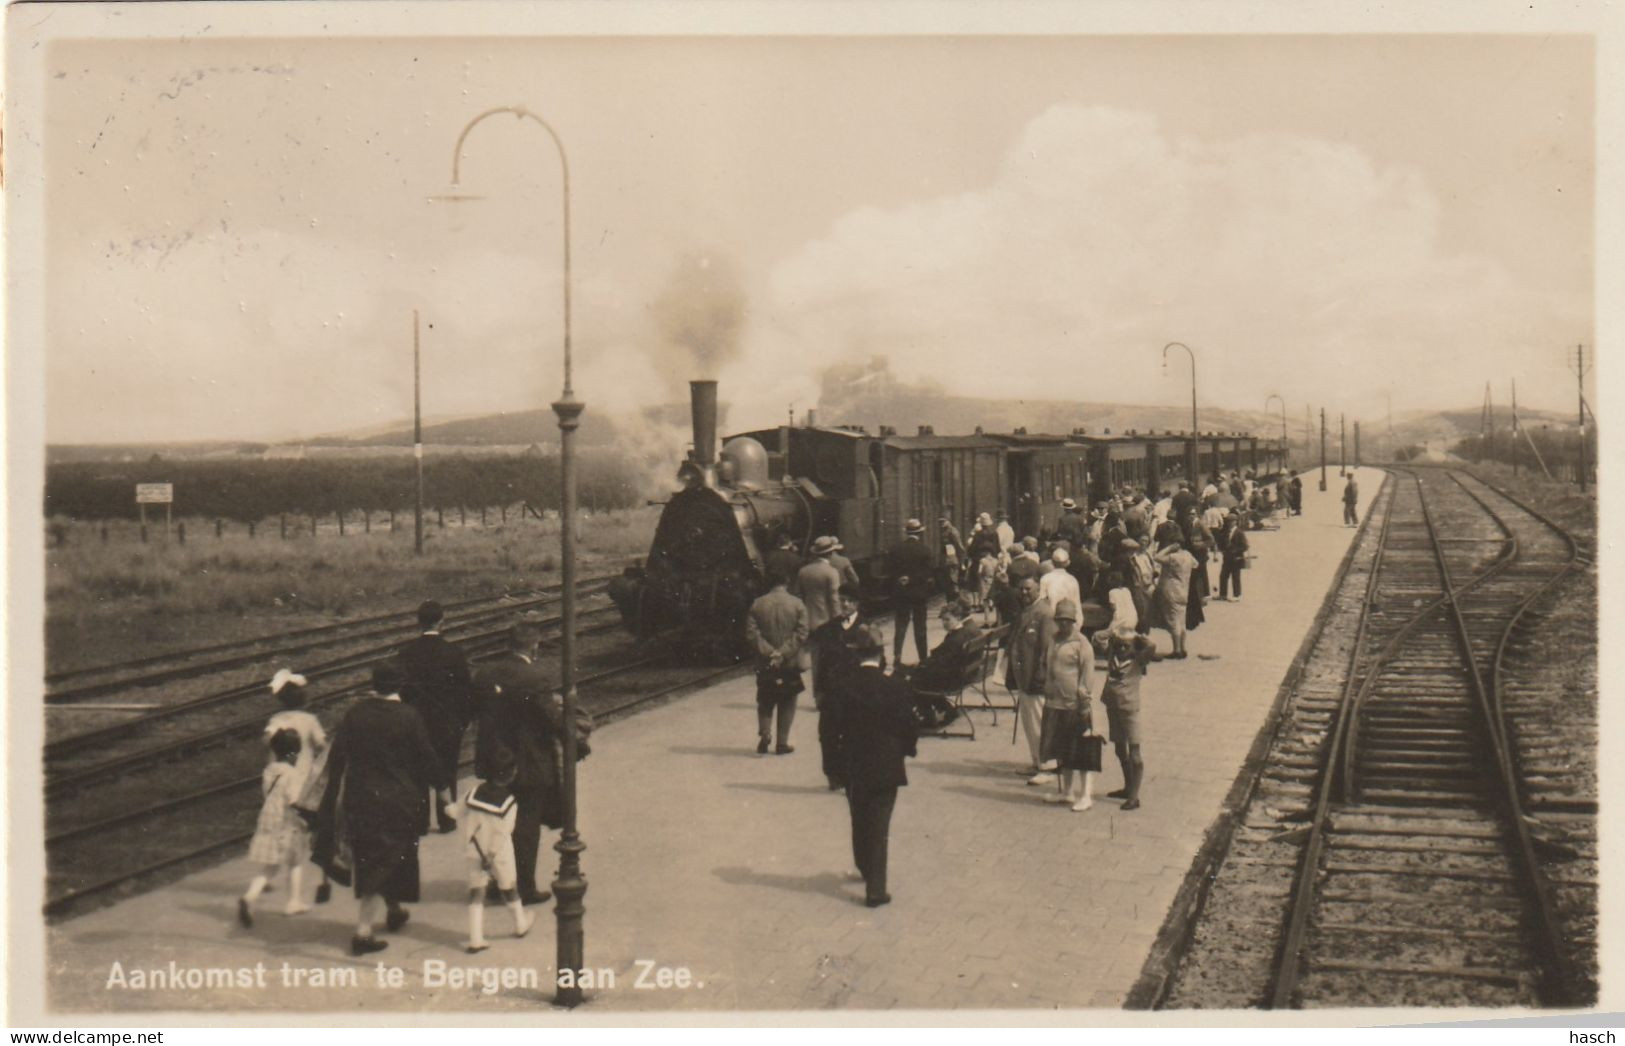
{"type": "Point", "coordinates": [705, 565]}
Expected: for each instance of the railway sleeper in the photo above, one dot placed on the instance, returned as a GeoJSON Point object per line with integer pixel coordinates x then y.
{"type": "Point", "coordinates": [1386, 945]}
{"type": "Point", "coordinates": [1388, 844]}
{"type": "Point", "coordinates": [1426, 878]}
{"type": "Point", "coordinates": [1510, 976]}
{"type": "Point", "coordinates": [1419, 797]}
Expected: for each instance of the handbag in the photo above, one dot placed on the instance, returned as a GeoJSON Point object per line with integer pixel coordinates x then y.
{"type": "Point", "coordinates": [1090, 749]}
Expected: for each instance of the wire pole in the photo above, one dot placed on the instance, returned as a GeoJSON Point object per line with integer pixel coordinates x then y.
{"type": "Point", "coordinates": [1323, 448]}
{"type": "Point", "coordinates": [1580, 381]}
{"type": "Point", "coordinates": [417, 436]}
{"type": "Point", "coordinates": [1515, 426]}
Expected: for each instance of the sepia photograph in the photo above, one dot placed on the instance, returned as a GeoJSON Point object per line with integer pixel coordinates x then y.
{"type": "Point", "coordinates": [797, 514]}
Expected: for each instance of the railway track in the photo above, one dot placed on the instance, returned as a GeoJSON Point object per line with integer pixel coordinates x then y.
{"type": "Point", "coordinates": [186, 724]}
{"type": "Point", "coordinates": [140, 673]}
{"type": "Point", "coordinates": [119, 853]}
{"type": "Point", "coordinates": [1387, 855]}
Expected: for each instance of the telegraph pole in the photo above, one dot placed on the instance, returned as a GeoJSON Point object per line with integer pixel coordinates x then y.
{"type": "Point", "coordinates": [1356, 444]}
{"type": "Point", "coordinates": [1580, 380]}
{"type": "Point", "coordinates": [1342, 446]}
{"type": "Point", "coordinates": [1514, 426]}
{"type": "Point", "coordinates": [1323, 448]}
{"type": "Point", "coordinates": [417, 436]}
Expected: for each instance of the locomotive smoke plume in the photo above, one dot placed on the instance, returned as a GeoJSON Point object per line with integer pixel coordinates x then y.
{"type": "Point", "coordinates": [699, 314]}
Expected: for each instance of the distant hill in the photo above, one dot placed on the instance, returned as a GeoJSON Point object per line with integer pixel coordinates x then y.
{"type": "Point", "coordinates": [661, 433]}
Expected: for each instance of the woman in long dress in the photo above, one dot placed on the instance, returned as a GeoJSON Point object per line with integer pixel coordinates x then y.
{"type": "Point", "coordinates": [380, 771]}
{"type": "Point", "coordinates": [1169, 602]}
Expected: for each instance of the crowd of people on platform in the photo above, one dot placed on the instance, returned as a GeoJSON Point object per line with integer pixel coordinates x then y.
{"type": "Point", "coordinates": [1068, 612]}
{"type": "Point", "coordinates": [358, 804]}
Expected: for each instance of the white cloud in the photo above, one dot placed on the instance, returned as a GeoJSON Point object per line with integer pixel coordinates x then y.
{"type": "Point", "coordinates": [1290, 264]}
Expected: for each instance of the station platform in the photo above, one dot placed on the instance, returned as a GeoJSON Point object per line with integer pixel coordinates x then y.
{"type": "Point", "coordinates": [707, 858]}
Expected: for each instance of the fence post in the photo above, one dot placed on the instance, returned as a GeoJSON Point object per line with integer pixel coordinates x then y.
{"type": "Point", "coordinates": [313, 524]}
{"type": "Point", "coordinates": [251, 528]}
{"type": "Point", "coordinates": [180, 532]}
{"type": "Point", "coordinates": [440, 516]}
{"type": "Point", "coordinates": [482, 516]}
{"type": "Point", "coordinates": [462, 515]}
{"type": "Point", "coordinates": [282, 521]}
{"type": "Point", "coordinates": [219, 528]}
{"type": "Point", "coordinates": [104, 533]}
{"type": "Point", "coordinates": [392, 521]}
{"type": "Point", "coordinates": [366, 516]}
{"type": "Point", "coordinates": [341, 522]}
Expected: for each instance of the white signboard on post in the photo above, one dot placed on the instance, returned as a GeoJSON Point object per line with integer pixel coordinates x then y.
{"type": "Point", "coordinates": [154, 493]}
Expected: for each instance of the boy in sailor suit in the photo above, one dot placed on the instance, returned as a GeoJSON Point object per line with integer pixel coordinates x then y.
{"type": "Point", "coordinates": [489, 814]}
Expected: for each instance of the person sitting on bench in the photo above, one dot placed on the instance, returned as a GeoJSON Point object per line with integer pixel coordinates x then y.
{"type": "Point", "coordinates": [944, 670]}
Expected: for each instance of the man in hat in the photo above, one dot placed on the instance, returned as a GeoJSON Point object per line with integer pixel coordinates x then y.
{"type": "Point", "coordinates": [849, 573]}
{"type": "Point", "coordinates": [1136, 518]}
{"type": "Point", "coordinates": [1025, 667]}
{"type": "Point", "coordinates": [1022, 566]}
{"type": "Point", "coordinates": [1059, 583]}
{"type": "Point", "coordinates": [910, 566]}
{"type": "Point", "coordinates": [832, 646]}
{"type": "Point", "coordinates": [818, 585]}
{"type": "Point", "coordinates": [874, 732]}
{"type": "Point", "coordinates": [437, 685]}
{"type": "Point", "coordinates": [1351, 500]}
{"type": "Point", "coordinates": [521, 712]}
{"type": "Point", "coordinates": [782, 562]}
{"type": "Point", "coordinates": [1072, 527]}
{"type": "Point", "coordinates": [776, 629]}
{"type": "Point", "coordinates": [953, 558]}
{"type": "Point", "coordinates": [943, 671]}
{"type": "Point", "coordinates": [1183, 500]}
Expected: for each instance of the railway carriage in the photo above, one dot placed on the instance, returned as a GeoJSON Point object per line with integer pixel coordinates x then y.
{"type": "Point", "coordinates": [705, 565]}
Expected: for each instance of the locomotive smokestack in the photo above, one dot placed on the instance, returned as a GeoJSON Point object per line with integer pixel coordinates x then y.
{"type": "Point", "coordinates": [703, 401]}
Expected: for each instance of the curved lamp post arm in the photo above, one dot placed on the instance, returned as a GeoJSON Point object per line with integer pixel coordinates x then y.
{"type": "Point", "coordinates": [520, 112]}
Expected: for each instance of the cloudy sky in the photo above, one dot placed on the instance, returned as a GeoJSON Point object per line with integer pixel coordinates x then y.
{"type": "Point", "coordinates": [238, 229]}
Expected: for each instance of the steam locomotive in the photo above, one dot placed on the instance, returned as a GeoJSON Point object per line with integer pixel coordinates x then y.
{"type": "Point", "coordinates": [705, 566]}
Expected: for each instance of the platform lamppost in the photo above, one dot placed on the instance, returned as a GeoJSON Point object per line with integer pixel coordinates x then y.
{"type": "Point", "coordinates": [1276, 396]}
{"type": "Point", "coordinates": [569, 888]}
{"type": "Point", "coordinates": [1191, 450]}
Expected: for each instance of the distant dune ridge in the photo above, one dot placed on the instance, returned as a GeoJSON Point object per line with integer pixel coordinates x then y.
{"type": "Point", "coordinates": [662, 431]}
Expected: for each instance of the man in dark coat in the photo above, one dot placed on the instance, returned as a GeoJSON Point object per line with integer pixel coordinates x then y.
{"type": "Point", "coordinates": [437, 685]}
{"type": "Point", "coordinates": [379, 772]}
{"type": "Point", "coordinates": [519, 711]}
{"type": "Point", "coordinates": [1073, 526]}
{"type": "Point", "coordinates": [1295, 495]}
{"type": "Point", "coordinates": [875, 731]}
{"type": "Point", "coordinates": [1351, 501]}
{"type": "Point", "coordinates": [910, 566]}
{"type": "Point", "coordinates": [836, 662]}
{"type": "Point", "coordinates": [1182, 501]}
{"type": "Point", "coordinates": [776, 629]}
{"type": "Point", "coordinates": [943, 671]}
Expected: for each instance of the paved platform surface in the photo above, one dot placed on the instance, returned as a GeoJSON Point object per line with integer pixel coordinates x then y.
{"type": "Point", "coordinates": [706, 857]}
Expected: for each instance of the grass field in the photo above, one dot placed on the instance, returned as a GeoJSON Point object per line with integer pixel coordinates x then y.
{"type": "Point", "coordinates": [105, 601]}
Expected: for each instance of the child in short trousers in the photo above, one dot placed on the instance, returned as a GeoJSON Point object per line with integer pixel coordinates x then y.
{"type": "Point", "coordinates": [280, 837]}
{"type": "Point", "coordinates": [488, 819]}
